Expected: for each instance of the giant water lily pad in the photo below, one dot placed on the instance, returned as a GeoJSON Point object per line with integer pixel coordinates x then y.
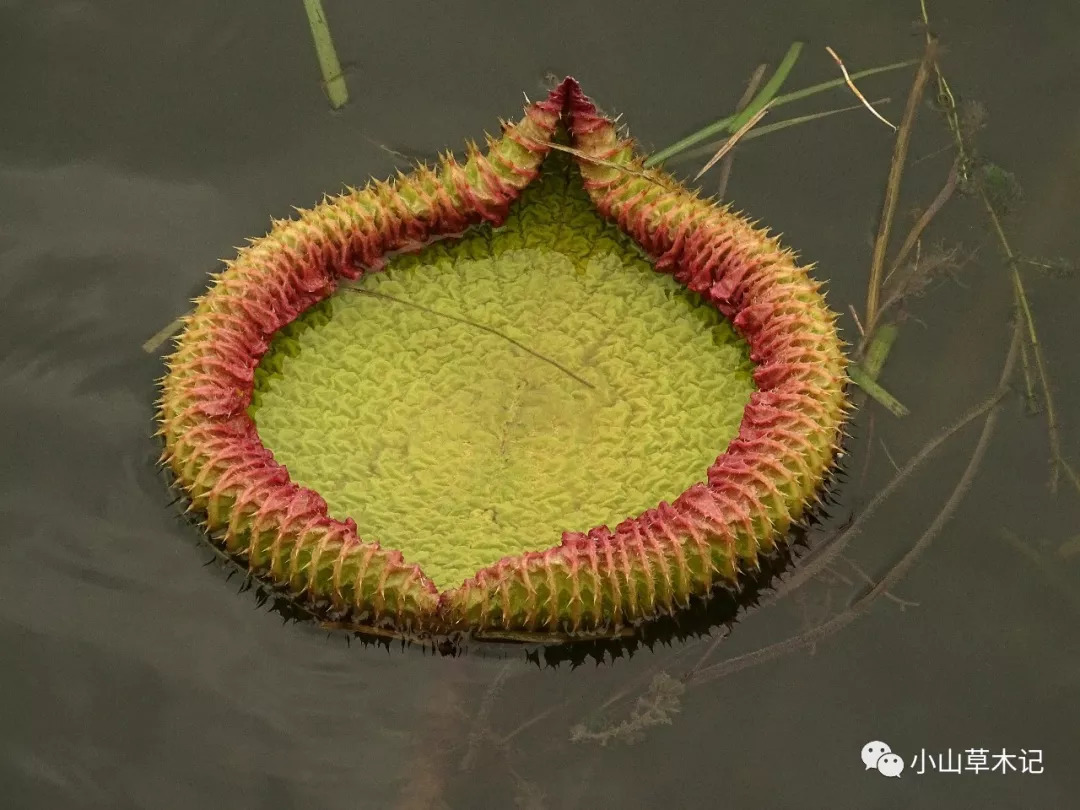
{"type": "Point", "coordinates": [421, 407]}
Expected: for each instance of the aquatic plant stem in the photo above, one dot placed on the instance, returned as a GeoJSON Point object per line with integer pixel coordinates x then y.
{"type": "Point", "coordinates": [1057, 457]}
{"type": "Point", "coordinates": [1051, 571]}
{"type": "Point", "coordinates": [771, 88]}
{"type": "Point", "coordinates": [900, 569]}
{"type": "Point", "coordinates": [817, 563]}
{"type": "Point", "coordinates": [878, 350]}
{"type": "Point", "coordinates": [866, 379]}
{"type": "Point", "coordinates": [911, 242]}
{"type": "Point", "coordinates": [947, 101]}
{"type": "Point", "coordinates": [873, 389]}
{"type": "Point", "coordinates": [481, 725]}
{"type": "Point", "coordinates": [333, 78]}
{"type": "Point", "coordinates": [912, 239]}
{"type": "Point", "coordinates": [155, 342]}
{"type": "Point", "coordinates": [892, 188]}
{"type": "Point", "coordinates": [1030, 397]}
{"type": "Point", "coordinates": [830, 549]}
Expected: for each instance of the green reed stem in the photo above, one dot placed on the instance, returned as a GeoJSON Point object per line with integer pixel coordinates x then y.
{"type": "Point", "coordinates": [734, 122]}
{"type": "Point", "coordinates": [878, 350]}
{"type": "Point", "coordinates": [869, 385]}
{"type": "Point", "coordinates": [333, 78]}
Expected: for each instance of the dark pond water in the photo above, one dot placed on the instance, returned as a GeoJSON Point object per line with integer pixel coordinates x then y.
{"type": "Point", "coordinates": [141, 141]}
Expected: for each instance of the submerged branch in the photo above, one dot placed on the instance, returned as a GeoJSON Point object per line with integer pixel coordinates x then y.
{"type": "Point", "coordinates": [899, 569]}
{"type": "Point", "coordinates": [928, 215]}
{"type": "Point", "coordinates": [818, 563]}
{"type": "Point", "coordinates": [158, 338]}
{"type": "Point", "coordinates": [1057, 457]}
{"type": "Point", "coordinates": [1058, 463]}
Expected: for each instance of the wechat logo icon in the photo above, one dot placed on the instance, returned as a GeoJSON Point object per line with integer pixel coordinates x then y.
{"type": "Point", "coordinates": [879, 756]}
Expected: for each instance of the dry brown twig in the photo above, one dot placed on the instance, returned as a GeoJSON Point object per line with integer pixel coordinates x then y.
{"type": "Point", "coordinates": [935, 263]}
{"type": "Point", "coordinates": [815, 563]}
{"type": "Point", "coordinates": [931, 211]}
{"type": "Point", "coordinates": [729, 144]}
{"type": "Point", "coordinates": [892, 188]}
{"type": "Point", "coordinates": [858, 323]}
{"type": "Point", "coordinates": [865, 577]}
{"type": "Point", "coordinates": [829, 550]}
{"type": "Point", "coordinates": [856, 91]}
{"type": "Point", "coordinates": [900, 568]}
{"type": "Point", "coordinates": [744, 100]}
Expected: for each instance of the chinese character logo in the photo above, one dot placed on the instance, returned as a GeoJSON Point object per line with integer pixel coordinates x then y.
{"type": "Point", "coordinates": [978, 760]}
{"type": "Point", "coordinates": [879, 756]}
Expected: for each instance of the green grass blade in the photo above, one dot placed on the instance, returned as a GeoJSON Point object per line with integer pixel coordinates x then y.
{"type": "Point", "coordinates": [876, 392]}
{"type": "Point", "coordinates": [333, 78]}
{"type": "Point", "coordinates": [771, 88]}
{"type": "Point", "coordinates": [732, 123]}
{"type": "Point", "coordinates": [757, 132]}
{"type": "Point", "coordinates": [152, 345]}
{"type": "Point", "coordinates": [814, 89]}
{"type": "Point", "coordinates": [726, 124]}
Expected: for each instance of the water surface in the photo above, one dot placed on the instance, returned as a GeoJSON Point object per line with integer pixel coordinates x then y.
{"type": "Point", "coordinates": [141, 142]}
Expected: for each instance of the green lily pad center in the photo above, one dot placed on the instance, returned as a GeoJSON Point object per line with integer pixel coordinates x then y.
{"type": "Point", "coordinates": [483, 395]}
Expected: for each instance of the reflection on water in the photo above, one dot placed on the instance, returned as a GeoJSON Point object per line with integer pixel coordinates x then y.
{"type": "Point", "coordinates": [142, 149]}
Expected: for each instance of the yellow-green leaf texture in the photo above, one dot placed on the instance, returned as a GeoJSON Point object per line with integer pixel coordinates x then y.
{"type": "Point", "coordinates": [476, 399]}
